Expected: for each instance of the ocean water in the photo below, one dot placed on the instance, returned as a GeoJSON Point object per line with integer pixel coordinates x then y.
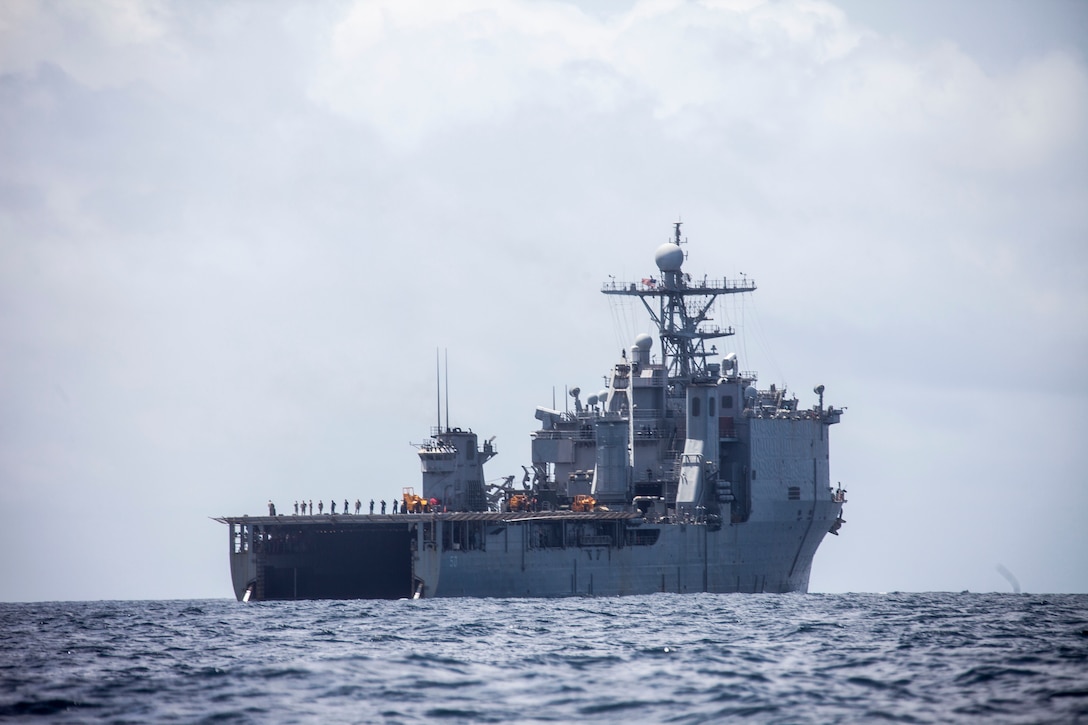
{"type": "Point", "coordinates": [672, 658]}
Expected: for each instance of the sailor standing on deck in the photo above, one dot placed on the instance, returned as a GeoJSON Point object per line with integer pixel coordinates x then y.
{"type": "Point", "coordinates": [271, 508]}
{"type": "Point", "coordinates": [332, 507]}
{"type": "Point", "coordinates": [320, 507]}
{"type": "Point", "coordinates": [383, 505]}
{"type": "Point", "coordinates": [358, 505]}
{"type": "Point", "coordinates": [346, 507]}
{"type": "Point", "coordinates": [296, 508]}
{"type": "Point", "coordinates": [311, 507]}
{"type": "Point", "coordinates": [371, 507]}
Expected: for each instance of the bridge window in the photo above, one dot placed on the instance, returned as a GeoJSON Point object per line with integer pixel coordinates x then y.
{"type": "Point", "coordinates": [694, 407]}
{"type": "Point", "coordinates": [710, 406]}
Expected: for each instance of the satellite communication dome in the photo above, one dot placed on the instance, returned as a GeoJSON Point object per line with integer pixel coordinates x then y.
{"type": "Point", "coordinates": [644, 342]}
{"type": "Point", "coordinates": [669, 257]}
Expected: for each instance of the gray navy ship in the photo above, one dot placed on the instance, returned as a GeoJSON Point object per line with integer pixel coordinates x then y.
{"type": "Point", "coordinates": [681, 475]}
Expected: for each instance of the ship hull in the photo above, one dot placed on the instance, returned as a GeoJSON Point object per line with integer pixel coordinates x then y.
{"type": "Point", "coordinates": [528, 555]}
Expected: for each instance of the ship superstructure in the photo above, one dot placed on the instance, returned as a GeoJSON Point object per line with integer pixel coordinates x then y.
{"type": "Point", "coordinates": [680, 475]}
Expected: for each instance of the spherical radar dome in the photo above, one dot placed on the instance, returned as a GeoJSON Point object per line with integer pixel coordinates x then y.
{"type": "Point", "coordinates": [669, 257]}
{"type": "Point", "coordinates": [644, 342]}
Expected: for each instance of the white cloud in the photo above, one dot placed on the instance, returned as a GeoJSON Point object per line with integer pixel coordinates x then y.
{"type": "Point", "coordinates": [411, 69]}
{"type": "Point", "coordinates": [99, 43]}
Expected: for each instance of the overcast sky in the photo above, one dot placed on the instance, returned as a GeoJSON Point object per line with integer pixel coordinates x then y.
{"type": "Point", "coordinates": [233, 235]}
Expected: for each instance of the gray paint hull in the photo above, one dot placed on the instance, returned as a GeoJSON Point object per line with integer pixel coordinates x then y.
{"type": "Point", "coordinates": [750, 557]}
{"type": "Point", "coordinates": [415, 555]}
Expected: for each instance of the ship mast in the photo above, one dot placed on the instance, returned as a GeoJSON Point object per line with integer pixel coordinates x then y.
{"type": "Point", "coordinates": [679, 309]}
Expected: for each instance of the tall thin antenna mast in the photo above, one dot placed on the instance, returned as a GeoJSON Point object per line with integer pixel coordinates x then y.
{"type": "Point", "coordinates": [437, 391]}
{"type": "Point", "coordinates": [447, 353]}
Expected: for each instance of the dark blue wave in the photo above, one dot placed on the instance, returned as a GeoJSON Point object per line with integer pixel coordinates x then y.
{"type": "Point", "coordinates": [916, 658]}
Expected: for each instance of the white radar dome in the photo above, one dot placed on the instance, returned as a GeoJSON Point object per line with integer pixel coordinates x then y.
{"type": "Point", "coordinates": [644, 342]}
{"type": "Point", "coordinates": [669, 257]}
